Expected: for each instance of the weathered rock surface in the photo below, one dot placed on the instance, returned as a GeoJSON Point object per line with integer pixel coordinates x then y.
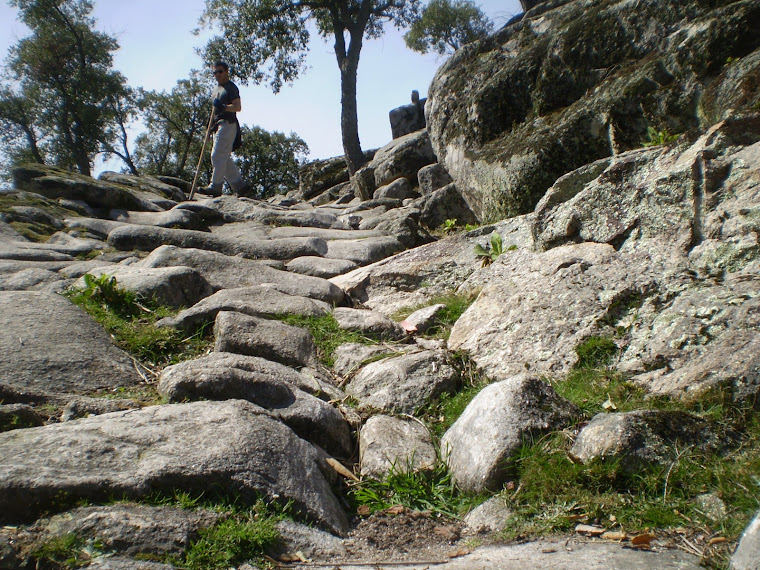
{"type": "Point", "coordinates": [404, 383]}
{"type": "Point", "coordinates": [273, 340]}
{"type": "Point", "coordinates": [480, 444]}
{"type": "Point", "coordinates": [177, 218]}
{"type": "Point", "coordinates": [747, 552]}
{"type": "Point", "coordinates": [18, 416]}
{"type": "Point", "coordinates": [445, 204]}
{"type": "Point", "coordinates": [227, 369]}
{"type": "Point", "coordinates": [387, 443]}
{"type": "Point", "coordinates": [176, 286]}
{"type": "Point", "coordinates": [423, 319]}
{"type": "Point", "coordinates": [432, 177]}
{"type": "Point", "coordinates": [311, 542]}
{"type": "Point", "coordinates": [413, 277]}
{"type": "Point", "coordinates": [82, 407]}
{"type": "Point", "coordinates": [400, 189]}
{"type": "Point", "coordinates": [50, 358]}
{"type": "Point", "coordinates": [54, 183]}
{"type": "Point", "coordinates": [535, 309]}
{"type": "Point", "coordinates": [364, 251]}
{"type": "Point", "coordinates": [320, 266]}
{"type": "Point", "coordinates": [402, 158]}
{"type": "Point", "coordinates": [148, 238]}
{"type": "Point", "coordinates": [645, 437]}
{"type": "Point", "coordinates": [265, 385]}
{"type": "Point", "coordinates": [368, 323]}
{"type": "Point", "coordinates": [129, 529]}
{"type": "Point", "coordinates": [256, 301]}
{"type": "Point", "coordinates": [511, 114]}
{"type": "Point", "coordinates": [350, 357]}
{"type": "Point", "coordinates": [145, 183]}
{"type": "Point", "coordinates": [234, 445]}
{"type": "Point", "coordinates": [231, 272]}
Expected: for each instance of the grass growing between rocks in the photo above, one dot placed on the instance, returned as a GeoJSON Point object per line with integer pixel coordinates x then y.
{"type": "Point", "coordinates": [131, 323]}
{"type": "Point", "coordinates": [327, 334]}
{"type": "Point", "coordinates": [551, 494]}
{"type": "Point", "coordinates": [555, 494]}
{"type": "Point", "coordinates": [66, 552]}
{"type": "Point", "coordinates": [430, 490]}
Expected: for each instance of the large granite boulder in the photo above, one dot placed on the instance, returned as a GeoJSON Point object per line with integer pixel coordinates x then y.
{"type": "Point", "coordinates": [48, 359]}
{"type": "Point", "coordinates": [570, 83]}
{"type": "Point", "coordinates": [479, 446]}
{"type": "Point", "coordinates": [402, 158]}
{"type": "Point", "coordinates": [234, 446]}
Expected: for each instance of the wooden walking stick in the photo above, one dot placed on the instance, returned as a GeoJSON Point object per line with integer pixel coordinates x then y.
{"type": "Point", "coordinates": [203, 150]}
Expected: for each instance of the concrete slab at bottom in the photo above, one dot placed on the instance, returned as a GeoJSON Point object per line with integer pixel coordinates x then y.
{"type": "Point", "coordinates": [562, 554]}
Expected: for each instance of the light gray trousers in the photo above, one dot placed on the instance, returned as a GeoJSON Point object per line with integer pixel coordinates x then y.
{"type": "Point", "coordinates": [224, 166]}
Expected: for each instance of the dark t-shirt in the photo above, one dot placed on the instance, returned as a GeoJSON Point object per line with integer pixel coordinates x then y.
{"type": "Point", "coordinates": [227, 93]}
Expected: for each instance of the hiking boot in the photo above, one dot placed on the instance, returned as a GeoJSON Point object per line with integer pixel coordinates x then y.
{"type": "Point", "coordinates": [211, 190]}
{"type": "Point", "coordinates": [245, 191]}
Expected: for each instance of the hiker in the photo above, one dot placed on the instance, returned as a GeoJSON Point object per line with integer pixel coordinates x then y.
{"type": "Point", "coordinates": [227, 137]}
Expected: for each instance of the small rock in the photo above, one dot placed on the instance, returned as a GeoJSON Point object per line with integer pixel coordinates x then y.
{"type": "Point", "coordinates": [385, 442]}
{"type": "Point", "coordinates": [18, 416]}
{"type": "Point", "coordinates": [490, 516]}
{"type": "Point", "coordinates": [369, 323]}
{"type": "Point", "coordinates": [424, 318]}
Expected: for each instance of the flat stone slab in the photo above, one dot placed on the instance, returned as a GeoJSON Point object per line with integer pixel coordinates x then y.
{"type": "Point", "coordinates": [148, 238]}
{"type": "Point", "coordinates": [267, 338]}
{"type": "Point", "coordinates": [320, 266]}
{"type": "Point", "coordinates": [326, 234]}
{"type": "Point", "coordinates": [370, 323]}
{"type": "Point", "coordinates": [256, 301]}
{"type": "Point", "coordinates": [52, 349]}
{"type": "Point", "coordinates": [230, 272]}
{"type": "Point", "coordinates": [234, 446]}
{"type": "Point", "coordinates": [364, 251]}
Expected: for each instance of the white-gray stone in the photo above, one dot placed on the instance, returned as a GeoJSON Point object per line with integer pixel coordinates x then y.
{"type": "Point", "coordinates": [368, 323]}
{"type": "Point", "coordinates": [387, 443]}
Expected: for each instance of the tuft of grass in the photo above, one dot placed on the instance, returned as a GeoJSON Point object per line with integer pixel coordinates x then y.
{"type": "Point", "coordinates": [244, 536]}
{"type": "Point", "coordinates": [595, 352]}
{"type": "Point", "coordinates": [431, 489]}
{"type": "Point", "coordinates": [131, 323]}
{"type": "Point", "coordinates": [66, 552]}
{"type": "Point", "coordinates": [327, 334]}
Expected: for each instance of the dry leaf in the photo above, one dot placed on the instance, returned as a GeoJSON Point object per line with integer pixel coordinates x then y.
{"type": "Point", "coordinates": [408, 327]}
{"type": "Point", "coordinates": [287, 558]}
{"type": "Point", "coordinates": [548, 550]}
{"type": "Point", "coordinates": [574, 458]}
{"type": "Point", "coordinates": [717, 540]}
{"type": "Point", "coordinates": [643, 539]}
{"type": "Point", "coordinates": [590, 530]}
{"type": "Point", "coordinates": [338, 466]}
{"type": "Point", "coordinates": [301, 557]}
{"type": "Point", "coordinates": [397, 510]}
{"type": "Point", "coordinates": [458, 553]}
{"type": "Point", "coordinates": [609, 405]}
{"type": "Point", "coordinates": [363, 510]}
{"type": "Point", "coordinates": [614, 535]}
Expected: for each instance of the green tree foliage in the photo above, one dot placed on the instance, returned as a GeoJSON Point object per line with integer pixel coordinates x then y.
{"type": "Point", "coordinates": [446, 25]}
{"type": "Point", "coordinates": [269, 161]}
{"type": "Point", "coordinates": [268, 40]}
{"type": "Point", "coordinates": [175, 125]}
{"type": "Point", "coordinates": [62, 76]}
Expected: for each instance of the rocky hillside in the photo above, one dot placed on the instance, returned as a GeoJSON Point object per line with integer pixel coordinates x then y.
{"type": "Point", "coordinates": [571, 82]}
{"type": "Point", "coordinates": [360, 373]}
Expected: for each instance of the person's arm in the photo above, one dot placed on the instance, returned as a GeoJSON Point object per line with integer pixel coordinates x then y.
{"type": "Point", "coordinates": [235, 106]}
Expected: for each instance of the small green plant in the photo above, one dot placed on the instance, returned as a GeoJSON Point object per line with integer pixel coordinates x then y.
{"type": "Point", "coordinates": [471, 227]}
{"type": "Point", "coordinates": [432, 489]}
{"type": "Point", "coordinates": [658, 138]}
{"type": "Point", "coordinates": [489, 254]}
{"type": "Point", "coordinates": [595, 352]}
{"type": "Point", "coordinates": [67, 552]}
{"type": "Point", "coordinates": [244, 536]}
{"type": "Point", "coordinates": [732, 60]}
{"type": "Point", "coordinates": [132, 323]}
{"type": "Point", "coordinates": [449, 225]}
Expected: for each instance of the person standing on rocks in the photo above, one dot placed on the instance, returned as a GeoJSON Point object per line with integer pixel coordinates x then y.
{"type": "Point", "coordinates": [227, 136]}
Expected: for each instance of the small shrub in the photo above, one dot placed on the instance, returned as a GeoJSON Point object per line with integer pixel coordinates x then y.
{"type": "Point", "coordinates": [490, 254]}
{"type": "Point", "coordinates": [658, 138]}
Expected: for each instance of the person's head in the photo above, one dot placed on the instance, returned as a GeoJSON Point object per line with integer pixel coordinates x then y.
{"type": "Point", "coordinates": [221, 72]}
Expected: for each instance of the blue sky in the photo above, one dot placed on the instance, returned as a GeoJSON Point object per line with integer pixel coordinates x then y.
{"type": "Point", "coordinates": [158, 48]}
